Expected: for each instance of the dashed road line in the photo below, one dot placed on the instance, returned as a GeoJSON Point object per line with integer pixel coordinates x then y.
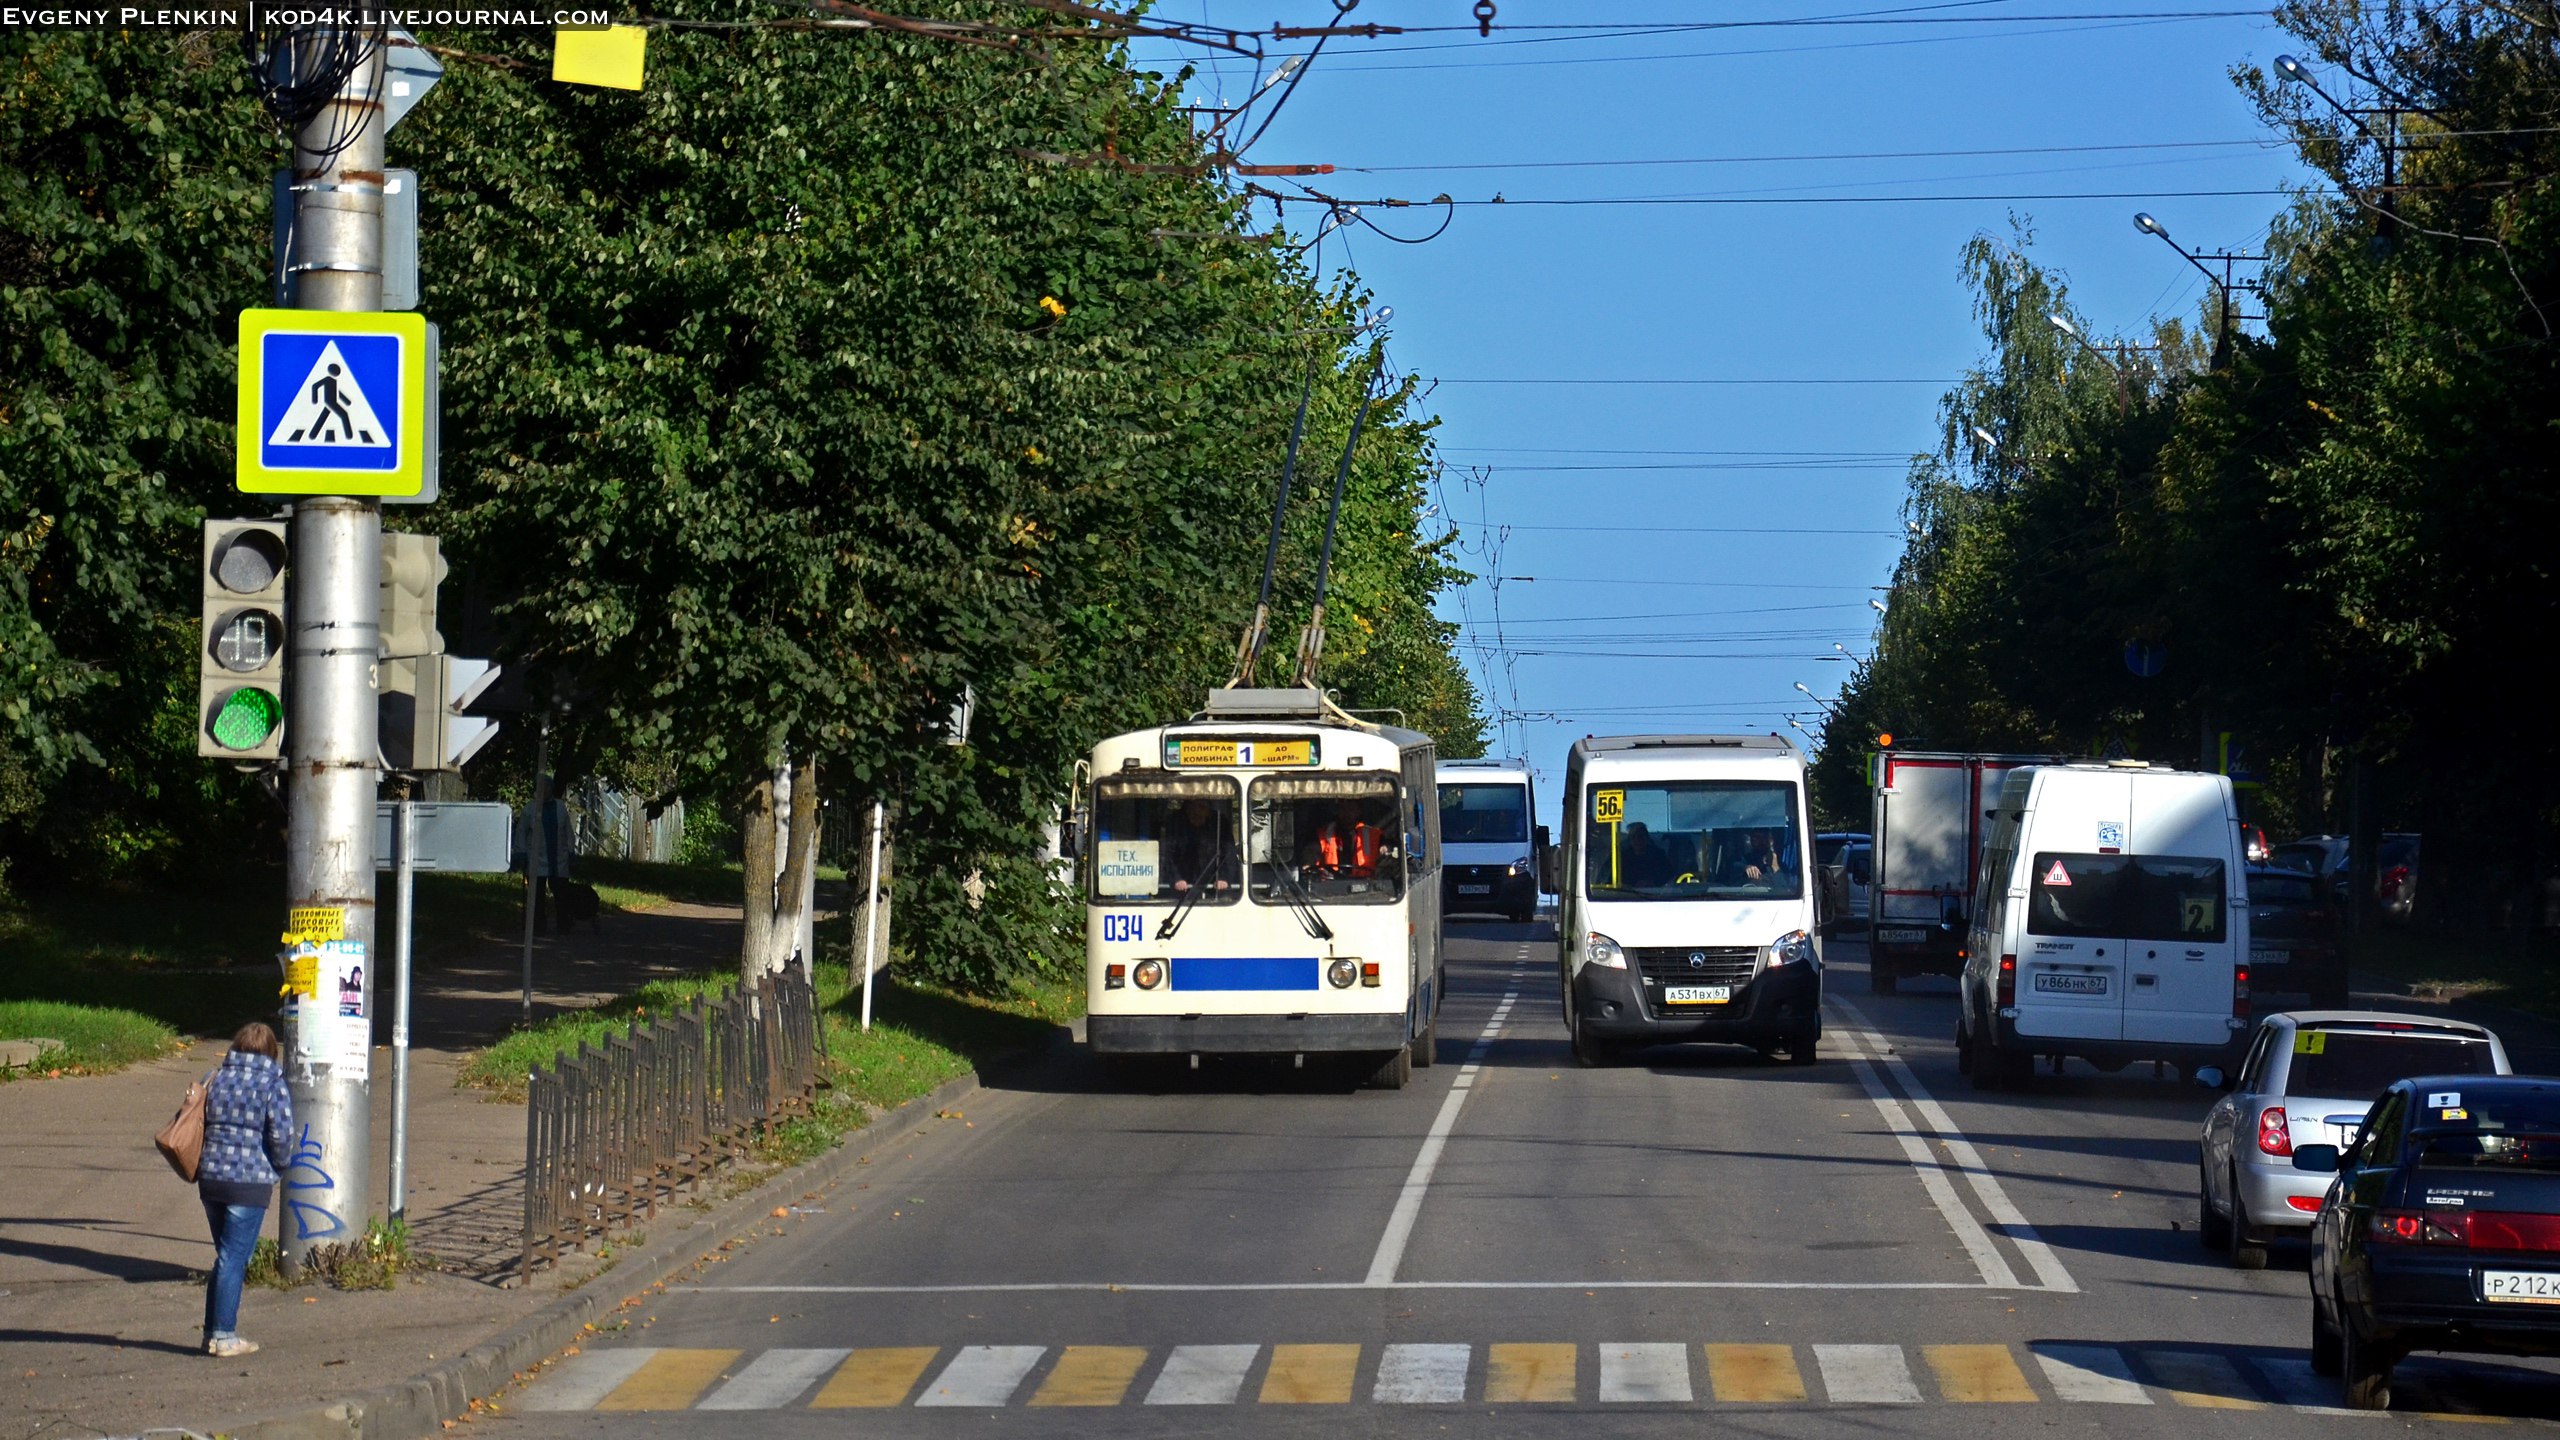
{"type": "Point", "coordinates": [1417, 1182]}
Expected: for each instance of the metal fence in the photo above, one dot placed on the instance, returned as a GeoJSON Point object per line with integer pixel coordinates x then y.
{"type": "Point", "coordinates": [610, 1132]}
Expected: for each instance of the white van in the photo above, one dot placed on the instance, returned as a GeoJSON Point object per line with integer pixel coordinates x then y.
{"type": "Point", "coordinates": [1685, 896]}
{"type": "Point", "coordinates": [1488, 856]}
{"type": "Point", "coordinates": [2110, 924]}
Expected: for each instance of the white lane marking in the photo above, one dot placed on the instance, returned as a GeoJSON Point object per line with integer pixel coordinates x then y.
{"type": "Point", "coordinates": [775, 1379]}
{"type": "Point", "coordinates": [1866, 1375]}
{"type": "Point", "coordinates": [1399, 1232]}
{"type": "Point", "coordinates": [2091, 1374]}
{"type": "Point", "coordinates": [1995, 1200]}
{"type": "Point", "coordinates": [1650, 1372]}
{"type": "Point", "coordinates": [1203, 1375]}
{"type": "Point", "coordinates": [1114, 1287]}
{"type": "Point", "coordinates": [1933, 1177]}
{"type": "Point", "coordinates": [1423, 1375]}
{"type": "Point", "coordinates": [2291, 1378]}
{"type": "Point", "coordinates": [582, 1380]}
{"type": "Point", "coordinates": [982, 1375]}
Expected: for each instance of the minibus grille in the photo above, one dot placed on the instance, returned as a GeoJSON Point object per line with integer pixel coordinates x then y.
{"type": "Point", "coordinates": [1698, 964]}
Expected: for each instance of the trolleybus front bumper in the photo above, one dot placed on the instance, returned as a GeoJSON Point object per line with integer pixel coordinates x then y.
{"type": "Point", "coordinates": [1243, 1034]}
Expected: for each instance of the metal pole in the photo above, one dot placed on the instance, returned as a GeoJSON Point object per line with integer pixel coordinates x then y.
{"type": "Point", "coordinates": [331, 778]}
{"type": "Point", "coordinates": [404, 860]}
{"type": "Point", "coordinates": [871, 927]}
{"type": "Point", "coordinates": [535, 852]}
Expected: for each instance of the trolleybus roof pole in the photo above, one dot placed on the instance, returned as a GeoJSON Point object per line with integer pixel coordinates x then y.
{"type": "Point", "coordinates": [1311, 643]}
{"type": "Point", "coordinates": [1249, 655]}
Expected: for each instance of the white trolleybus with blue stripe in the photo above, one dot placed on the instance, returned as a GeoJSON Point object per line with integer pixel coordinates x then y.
{"type": "Point", "coordinates": [1262, 878]}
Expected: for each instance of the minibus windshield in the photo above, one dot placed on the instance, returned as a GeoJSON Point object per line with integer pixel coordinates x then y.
{"type": "Point", "coordinates": [1484, 814]}
{"type": "Point", "coordinates": [1693, 840]}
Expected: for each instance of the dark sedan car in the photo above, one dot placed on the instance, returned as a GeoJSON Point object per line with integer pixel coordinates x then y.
{"type": "Point", "coordinates": [2441, 1230]}
{"type": "Point", "coordinates": [2293, 938]}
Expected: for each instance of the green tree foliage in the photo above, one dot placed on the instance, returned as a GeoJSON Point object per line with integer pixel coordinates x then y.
{"type": "Point", "coordinates": [2337, 539]}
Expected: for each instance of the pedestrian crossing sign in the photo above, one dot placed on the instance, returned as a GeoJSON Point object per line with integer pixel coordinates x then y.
{"type": "Point", "coordinates": [332, 403]}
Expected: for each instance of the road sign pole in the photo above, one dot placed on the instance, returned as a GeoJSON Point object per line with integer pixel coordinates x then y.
{"type": "Point", "coordinates": [330, 779]}
{"type": "Point", "coordinates": [404, 866]}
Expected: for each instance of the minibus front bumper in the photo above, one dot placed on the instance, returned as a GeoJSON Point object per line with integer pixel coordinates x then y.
{"type": "Point", "coordinates": [1779, 1002]}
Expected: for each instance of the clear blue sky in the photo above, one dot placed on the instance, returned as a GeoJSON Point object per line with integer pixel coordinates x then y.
{"type": "Point", "coordinates": [1676, 584]}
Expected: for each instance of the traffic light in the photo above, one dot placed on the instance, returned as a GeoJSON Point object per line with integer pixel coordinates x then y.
{"type": "Point", "coordinates": [412, 567]}
{"type": "Point", "coordinates": [421, 720]}
{"type": "Point", "coordinates": [240, 654]}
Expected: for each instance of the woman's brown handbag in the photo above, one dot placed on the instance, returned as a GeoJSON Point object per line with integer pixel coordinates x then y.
{"type": "Point", "coordinates": [181, 1141]}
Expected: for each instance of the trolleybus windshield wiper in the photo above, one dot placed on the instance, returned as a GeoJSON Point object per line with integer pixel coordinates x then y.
{"type": "Point", "coordinates": [1300, 904]}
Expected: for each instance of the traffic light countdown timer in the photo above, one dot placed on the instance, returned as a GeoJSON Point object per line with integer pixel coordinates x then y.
{"type": "Point", "coordinates": [240, 660]}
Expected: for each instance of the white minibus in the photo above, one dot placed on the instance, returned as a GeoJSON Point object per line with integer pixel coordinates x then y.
{"type": "Point", "coordinates": [1488, 853]}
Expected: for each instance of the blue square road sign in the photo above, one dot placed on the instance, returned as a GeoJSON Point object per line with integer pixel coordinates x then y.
{"type": "Point", "coordinates": [332, 403]}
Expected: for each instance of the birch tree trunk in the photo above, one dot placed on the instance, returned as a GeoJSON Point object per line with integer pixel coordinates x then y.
{"type": "Point", "coordinates": [790, 897]}
{"type": "Point", "coordinates": [756, 832]}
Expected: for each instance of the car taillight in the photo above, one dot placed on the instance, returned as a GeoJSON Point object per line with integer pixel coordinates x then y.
{"type": "Point", "coordinates": [2240, 992]}
{"type": "Point", "coordinates": [2393, 879]}
{"type": "Point", "coordinates": [2307, 1204]}
{"type": "Point", "coordinates": [2008, 986]}
{"type": "Point", "coordinates": [2500, 1230]}
{"type": "Point", "coordinates": [2274, 1136]}
{"type": "Point", "coordinates": [2418, 1227]}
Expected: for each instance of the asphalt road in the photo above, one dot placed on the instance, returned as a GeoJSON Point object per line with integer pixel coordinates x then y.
{"type": "Point", "coordinates": [1510, 1245]}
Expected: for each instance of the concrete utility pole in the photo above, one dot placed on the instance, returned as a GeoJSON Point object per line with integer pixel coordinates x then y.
{"type": "Point", "coordinates": [331, 777]}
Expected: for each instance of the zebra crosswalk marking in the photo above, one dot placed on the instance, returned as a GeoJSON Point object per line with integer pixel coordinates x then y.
{"type": "Point", "coordinates": [1977, 1374]}
{"type": "Point", "coordinates": [1091, 1375]}
{"type": "Point", "coordinates": [1759, 1373]}
{"type": "Point", "coordinates": [672, 1381]}
{"type": "Point", "coordinates": [873, 1379]}
{"type": "Point", "coordinates": [1654, 1373]}
{"type": "Point", "coordinates": [1865, 1375]}
{"type": "Point", "coordinates": [2202, 1382]}
{"type": "Point", "coordinates": [1530, 1374]}
{"type": "Point", "coordinates": [1310, 1375]}
{"type": "Point", "coordinates": [982, 1375]}
{"type": "Point", "coordinates": [1203, 1375]}
{"type": "Point", "coordinates": [590, 1379]}
{"type": "Point", "coordinates": [2091, 1374]}
{"type": "Point", "coordinates": [1423, 1375]}
{"type": "Point", "coordinates": [775, 1379]}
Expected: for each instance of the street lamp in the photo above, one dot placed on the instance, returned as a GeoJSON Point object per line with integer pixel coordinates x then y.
{"type": "Point", "coordinates": [1816, 699]}
{"type": "Point", "coordinates": [2388, 137]}
{"type": "Point", "coordinates": [1877, 604]}
{"type": "Point", "coordinates": [2115, 367]}
{"type": "Point", "coordinates": [2222, 283]}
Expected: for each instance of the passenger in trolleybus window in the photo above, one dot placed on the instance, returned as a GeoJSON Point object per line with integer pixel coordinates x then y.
{"type": "Point", "coordinates": [1198, 851]}
{"type": "Point", "coordinates": [1346, 846]}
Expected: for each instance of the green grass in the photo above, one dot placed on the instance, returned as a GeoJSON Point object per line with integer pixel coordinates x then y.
{"type": "Point", "coordinates": [95, 1038]}
{"type": "Point", "coordinates": [502, 1067]}
{"type": "Point", "coordinates": [2436, 964]}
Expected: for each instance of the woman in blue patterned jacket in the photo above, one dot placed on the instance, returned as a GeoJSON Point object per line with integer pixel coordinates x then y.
{"type": "Point", "coordinates": [248, 1137]}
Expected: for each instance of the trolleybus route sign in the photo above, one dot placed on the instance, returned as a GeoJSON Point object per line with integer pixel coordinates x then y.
{"type": "Point", "coordinates": [1219, 752]}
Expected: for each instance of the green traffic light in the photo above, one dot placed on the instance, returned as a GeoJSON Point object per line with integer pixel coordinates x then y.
{"type": "Point", "coordinates": [245, 718]}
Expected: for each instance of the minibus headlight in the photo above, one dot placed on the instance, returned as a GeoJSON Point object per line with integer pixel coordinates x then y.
{"type": "Point", "coordinates": [1793, 948]}
{"type": "Point", "coordinates": [1148, 974]}
{"type": "Point", "coordinates": [1343, 974]}
{"type": "Point", "coordinates": [1600, 950]}
{"type": "Point", "coordinates": [1520, 867]}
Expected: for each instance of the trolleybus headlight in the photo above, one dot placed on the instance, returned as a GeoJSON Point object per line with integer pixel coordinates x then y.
{"type": "Point", "coordinates": [1793, 948]}
{"type": "Point", "coordinates": [1343, 973]}
{"type": "Point", "coordinates": [1148, 974]}
{"type": "Point", "coordinates": [1600, 950]}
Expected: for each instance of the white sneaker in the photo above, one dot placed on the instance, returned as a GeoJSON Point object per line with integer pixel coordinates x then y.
{"type": "Point", "coordinates": [230, 1347]}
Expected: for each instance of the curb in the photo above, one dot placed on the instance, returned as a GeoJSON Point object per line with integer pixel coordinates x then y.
{"type": "Point", "coordinates": [419, 1406]}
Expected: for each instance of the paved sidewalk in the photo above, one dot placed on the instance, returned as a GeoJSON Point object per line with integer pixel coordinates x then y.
{"type": "Point", "coordinates": [102, 1249]}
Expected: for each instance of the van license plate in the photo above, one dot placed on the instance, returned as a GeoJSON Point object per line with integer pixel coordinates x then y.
{"type": "Point", "coordinates": [2269, 957]}
{"type": "Point", "coordinates": [2072, 984]}
{"type": "Point", "coordinates": [1475, 889]}
{"type": "Point", "coordinates": [2527, 1287]}
{"type": "Point", "coordinates": [1902, 937]}
{"type": "Point", "coordinates": [1696, 994]}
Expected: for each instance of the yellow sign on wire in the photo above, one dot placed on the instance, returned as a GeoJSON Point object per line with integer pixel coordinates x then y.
{"type": "Point", "coordinates": [612, 57]}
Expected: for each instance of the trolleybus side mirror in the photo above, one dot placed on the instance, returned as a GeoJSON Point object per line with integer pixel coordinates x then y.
{"type": "Point", "coordinates": [1071, 842]}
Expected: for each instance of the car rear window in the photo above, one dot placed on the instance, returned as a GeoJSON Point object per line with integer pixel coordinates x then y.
{"type": "Point", "coordinates": [2455, 1130]}
{"type": "Point", "coordinates": [2347, 1065]}
{"type": "Point", "coordinates": [2126, 897]}
{"type": "Point", "coordinates": [2289, 889]}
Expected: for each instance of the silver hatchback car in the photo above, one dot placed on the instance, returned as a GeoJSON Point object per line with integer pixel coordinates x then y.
{"type": "Point", "coordinates": [2308, 1079]}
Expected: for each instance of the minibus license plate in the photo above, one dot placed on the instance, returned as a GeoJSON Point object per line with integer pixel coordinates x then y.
{"type": "Point", "coordinates": [2530, 1287]}
{"type": "Point", "coordinates": [1902, 937]}
{"type": "Point", "coordinates": [1696, 994]}
{"type": "Point", "coordinates": [1475, 889]}
{"type": "Point", "coordinates": [2072, 984]}
{"type": "Point", "coordinates": [2269, 957]}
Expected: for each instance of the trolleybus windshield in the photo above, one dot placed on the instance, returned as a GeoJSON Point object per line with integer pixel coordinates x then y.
{"type": "Point", "coordinates": [1165, 838]}
{"type": "Point", "coordinates": [1335, 839]}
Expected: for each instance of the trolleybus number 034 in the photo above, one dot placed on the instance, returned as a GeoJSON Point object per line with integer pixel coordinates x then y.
{"type": "Point", "coordinates": [1241, 752]}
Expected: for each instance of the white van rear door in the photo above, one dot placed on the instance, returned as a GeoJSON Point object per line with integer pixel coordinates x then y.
{"type": "Point", "coordinates": [2070, 960]}
{"type": "Point", "coordinates": [2184, 937]}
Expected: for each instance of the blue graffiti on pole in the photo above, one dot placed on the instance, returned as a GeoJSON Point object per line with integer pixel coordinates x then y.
{"type": "Point", "coordinates": [312, 1220]}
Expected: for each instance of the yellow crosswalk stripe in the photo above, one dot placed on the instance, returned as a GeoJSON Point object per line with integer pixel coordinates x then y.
{"type": "Point", "coordinates": [1091, 1375]}
{"type": "Point", "coordinates": [1754, 1372]}
{"type": "Point", "coordinates": [870, 1379]}
{"type": "Point", "coordinates": [672, 1380]}
{"type": "Point", "coordinates": [1977, 1373]}
{"type": "Point", "coordinates": [1529, 1373]}
{"type": "Point", "coordinates": [2202, 1382]}
{"type": "Point", "coordinates": [1310, 1375]}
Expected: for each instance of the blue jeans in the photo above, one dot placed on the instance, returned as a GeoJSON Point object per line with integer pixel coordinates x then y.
{"type": "Point", "coordinates": [235, 1236]}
